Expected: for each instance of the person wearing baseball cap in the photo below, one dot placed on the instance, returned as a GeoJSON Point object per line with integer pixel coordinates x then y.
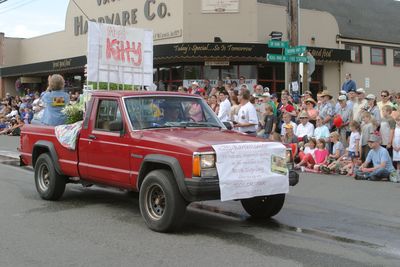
{"type": "Point", "coordinates": [267, 100]}
{"type": "Point", "coordinates": [372, 108]}
{"type": "Point", "coordinates": [381, 160]}
{"type": "Point", "coordinates": [359, 104]}
{"type": "Point", "coordinates": [341, 95]}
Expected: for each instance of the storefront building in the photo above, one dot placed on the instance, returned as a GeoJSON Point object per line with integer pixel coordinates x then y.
{"type": "Point", "coordinates": [193, 41]}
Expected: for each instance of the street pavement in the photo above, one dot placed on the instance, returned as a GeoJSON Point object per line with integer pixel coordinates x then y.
{"type": "Point", "coordinates": [327, 220]}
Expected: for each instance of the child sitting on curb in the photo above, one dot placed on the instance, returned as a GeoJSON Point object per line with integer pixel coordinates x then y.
{"type": "Point", "coordinates": [307, 155]}
{"type": "Point", "coordinates": [321, 157]}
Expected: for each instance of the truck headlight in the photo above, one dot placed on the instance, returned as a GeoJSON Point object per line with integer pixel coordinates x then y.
{"type": "Point", "coordinates": [289, 159]}
{"type": "Point", "coordinates": [204, 165]}
{"type": "Point", "coordinates": [207, 161]}
{"type": "Point", "coordinates": [289, 156]}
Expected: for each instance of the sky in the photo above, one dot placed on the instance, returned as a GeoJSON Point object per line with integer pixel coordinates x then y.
{"type": "Point", "coordinates": [30, 18]}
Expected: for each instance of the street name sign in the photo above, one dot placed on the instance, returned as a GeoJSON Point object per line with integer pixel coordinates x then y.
{"type": "Point", "coordinates": [295, 50]}
{"type": "Point", "coordinates": [284, 58]}
{"type": "Point", "coordinates": [278, 44]}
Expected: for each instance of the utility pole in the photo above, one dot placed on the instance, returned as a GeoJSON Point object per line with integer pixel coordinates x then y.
{"type": "Point", "coordinates": [293, 34]}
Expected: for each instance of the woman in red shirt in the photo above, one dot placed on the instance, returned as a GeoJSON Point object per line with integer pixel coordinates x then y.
{"type": "Point", "coordinates": [286, 107]}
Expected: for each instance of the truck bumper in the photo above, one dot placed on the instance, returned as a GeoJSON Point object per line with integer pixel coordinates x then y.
{"type": "Point", "coordinates": [207, 188]}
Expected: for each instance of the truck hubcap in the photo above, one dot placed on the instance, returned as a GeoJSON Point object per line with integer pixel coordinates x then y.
{"type": "Point", "coordinates": [44, 178]}
{"type": "Point", "coordinates": [155, 202]}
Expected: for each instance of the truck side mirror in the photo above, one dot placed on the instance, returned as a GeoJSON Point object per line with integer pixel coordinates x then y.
{"type": "Point", "coordinates": [228, 125]}
{"type": "Point", "coordinates": [116, 126]}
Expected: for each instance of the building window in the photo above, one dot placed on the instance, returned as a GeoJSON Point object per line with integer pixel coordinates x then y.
{"type": "Point", "coordinates": [396, 57]}
{"type": "Point", "coordinates": [378, 56]}
{"type": "Point", "coordinates": [248, 71]}
{"type": "Point", "coordinates": [356, 49]}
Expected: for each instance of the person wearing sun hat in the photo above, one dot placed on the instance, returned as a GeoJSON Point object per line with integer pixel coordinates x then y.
{"type": "Point", "coordinates": [194, 88]}
{"type": "Point", "coordinates": [311, 110]}
{"type": "Point", "coordinates": [380, 158]}
{"type": "Point", "coordinates": [346, 114]}
{"type": "Point", "coordinates": [304, 128]}
{"type": "Point", "coordinates": [326, 111]}
{"type": "Point", "coordinates": [289, 137]}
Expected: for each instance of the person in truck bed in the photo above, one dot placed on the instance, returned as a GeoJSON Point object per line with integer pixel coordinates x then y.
{"type": "Point", "coordinates": [55, 100]}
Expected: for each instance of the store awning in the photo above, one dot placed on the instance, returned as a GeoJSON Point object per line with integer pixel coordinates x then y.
{"type": "Point", "coordinates": [198, 52]}
{"type": "Point", "coordinates": [54, 66]}
{"type": "Point", "coordinates": [195, 52]}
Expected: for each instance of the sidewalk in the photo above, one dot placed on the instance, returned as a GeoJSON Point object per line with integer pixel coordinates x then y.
{"type": "Point", "coordinates": [8, 146]}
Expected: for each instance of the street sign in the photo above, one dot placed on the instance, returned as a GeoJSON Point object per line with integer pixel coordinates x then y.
{"type": "Point", "coordinates": [295, 50]}
{"type": "Point", "coordinates": [278, 44]}
{"type": "Point", "coordinates": [283, 58]}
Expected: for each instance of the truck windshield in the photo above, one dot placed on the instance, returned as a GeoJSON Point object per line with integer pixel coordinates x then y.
{"type": "Point", "coordinates": [170, 111]}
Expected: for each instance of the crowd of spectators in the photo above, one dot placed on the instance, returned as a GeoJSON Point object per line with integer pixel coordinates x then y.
{"type": "Point", "coordinates": [353, 133]}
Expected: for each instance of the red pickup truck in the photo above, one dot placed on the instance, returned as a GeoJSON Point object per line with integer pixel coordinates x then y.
{"type": "Point", "coordinates": [156, 143]}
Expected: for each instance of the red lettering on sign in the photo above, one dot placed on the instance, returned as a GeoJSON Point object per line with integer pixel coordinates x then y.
{"type": "Point", "coordinates": [124, 51]}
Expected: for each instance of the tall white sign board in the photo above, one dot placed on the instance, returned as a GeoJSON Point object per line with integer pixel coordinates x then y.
{"type": "Point", "coordinates": [119, 54]}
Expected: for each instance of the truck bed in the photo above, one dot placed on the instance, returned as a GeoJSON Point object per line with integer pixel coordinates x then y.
{"type": "Point", "coordinates": [31, 134]}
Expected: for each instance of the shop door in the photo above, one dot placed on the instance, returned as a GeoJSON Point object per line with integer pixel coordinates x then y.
{"type": "Point", "coordinates": [316, 84]}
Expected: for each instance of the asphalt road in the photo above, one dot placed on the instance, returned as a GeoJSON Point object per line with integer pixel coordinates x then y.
{"type": "Point", "coordinates": [326, 221]}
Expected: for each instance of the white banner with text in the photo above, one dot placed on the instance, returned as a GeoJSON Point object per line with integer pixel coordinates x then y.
{"type": "Point", "coordinates": [247, 170]}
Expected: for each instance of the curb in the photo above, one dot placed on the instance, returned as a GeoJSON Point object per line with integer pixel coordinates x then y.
{"type": "Point", "coordinates": [9, 154]}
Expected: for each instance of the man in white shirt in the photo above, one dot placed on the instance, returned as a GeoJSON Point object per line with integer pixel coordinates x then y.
{"type": "Point", "coordinates": [305, 128]}
{"type": "Point", "coordinates": [224, 106]}
{"type": "Point", "coordinates": [247, 116]}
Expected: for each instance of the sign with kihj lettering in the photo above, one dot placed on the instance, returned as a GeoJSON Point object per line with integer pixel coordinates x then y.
{"type": "Point", "coordinates": [248, 170]}
{"type": "Point", "coordinates": [120, 55]}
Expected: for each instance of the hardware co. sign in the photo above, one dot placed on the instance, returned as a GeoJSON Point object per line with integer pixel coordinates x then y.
{"type": "Point", "coordinates": [152, 9]}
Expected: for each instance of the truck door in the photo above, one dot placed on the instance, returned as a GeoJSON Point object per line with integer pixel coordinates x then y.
{"type": "Point", "coordinates": [105, 153]}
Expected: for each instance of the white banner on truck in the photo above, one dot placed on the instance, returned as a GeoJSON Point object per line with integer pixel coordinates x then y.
{"type": "Point", "coordinates": [247, 170]}
{"type": "Point", "coordinates": [119, 54]}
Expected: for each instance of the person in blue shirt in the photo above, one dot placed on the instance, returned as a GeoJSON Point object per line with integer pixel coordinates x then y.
{"type": "Point", "coordinates": [380, 158]}
{"type": "Point", "coordinates": [349, 84]}
{"type": "Point", "coordinates": [54, 101]}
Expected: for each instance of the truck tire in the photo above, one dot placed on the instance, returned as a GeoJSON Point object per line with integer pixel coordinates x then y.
{"type": "Point", "coordinates": [161, 204]}
{"type": "Point", "coordinates": [263, 207]}
{"type": "Point", "coordinates": [49, 184]}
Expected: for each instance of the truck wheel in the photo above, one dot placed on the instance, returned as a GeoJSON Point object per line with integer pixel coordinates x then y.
{"type": "Point", "coordinates": [161, 204]}
{"type": "Point", "coordinates": [49, 184]}
{"type": "Point", "coordinates": [263, 207]}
